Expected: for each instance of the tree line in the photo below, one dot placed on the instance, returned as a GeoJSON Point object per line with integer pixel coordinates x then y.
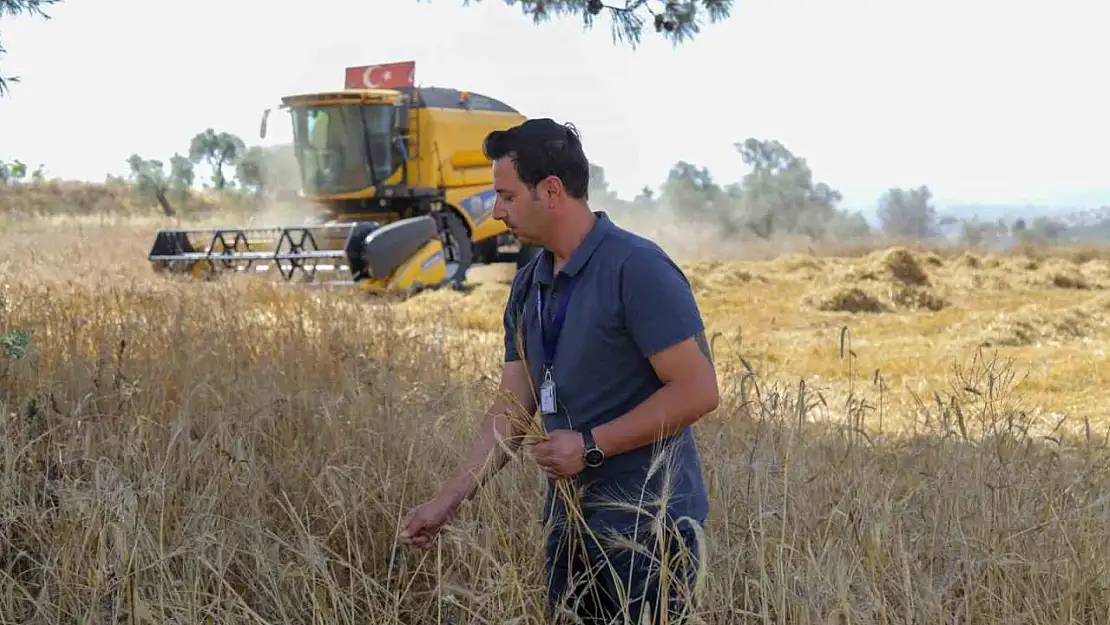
{"type": "Point", "coordinates": [779, 196]}
{"type": "Point", "coordinates": [252, 173]}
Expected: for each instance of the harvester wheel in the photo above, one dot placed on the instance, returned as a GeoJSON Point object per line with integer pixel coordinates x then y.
{"type": "Point", "coordinates": [457, 247]}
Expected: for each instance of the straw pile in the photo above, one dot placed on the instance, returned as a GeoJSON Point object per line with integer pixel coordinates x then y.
{"type": "Point", "coordinates": [888, 281]}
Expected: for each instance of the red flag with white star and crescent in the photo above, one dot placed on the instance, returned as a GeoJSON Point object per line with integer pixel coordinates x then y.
{"type": "Point", "coordinates": [382, 76]}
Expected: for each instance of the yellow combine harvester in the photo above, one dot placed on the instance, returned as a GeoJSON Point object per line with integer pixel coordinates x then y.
{"type": "Point", "coordinates": [400, 173]}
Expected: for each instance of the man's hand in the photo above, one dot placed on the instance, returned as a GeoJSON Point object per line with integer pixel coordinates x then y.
{"type": "Point", "coordinates": [484, 458]}
{"type": "Point", "coordinates": [423, 524]}
{"type": "Point", "coordinates": [562, 454]}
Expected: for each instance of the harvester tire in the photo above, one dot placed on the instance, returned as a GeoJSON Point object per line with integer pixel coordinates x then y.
{"type": "Point", "coordinates": [463, 251]}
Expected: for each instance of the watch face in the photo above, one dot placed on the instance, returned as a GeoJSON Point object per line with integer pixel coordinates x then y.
{"type": "Point", "coordinates": [594, 457]}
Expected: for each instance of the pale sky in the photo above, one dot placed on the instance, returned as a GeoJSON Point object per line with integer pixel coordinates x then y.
{"type": "Point", "coordinates": [983, 101]}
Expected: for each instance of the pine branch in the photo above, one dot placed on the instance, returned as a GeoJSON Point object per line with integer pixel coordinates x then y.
{"type": "Point", "coordinates": [677, 20]}
{"type": "Point", "coordinates": [16, 8]}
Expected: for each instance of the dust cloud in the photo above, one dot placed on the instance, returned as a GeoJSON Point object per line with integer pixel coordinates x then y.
{"type": "Point", "coordinates": [283, 212]}
{"type": "Point", "coordinates": [687, 241]}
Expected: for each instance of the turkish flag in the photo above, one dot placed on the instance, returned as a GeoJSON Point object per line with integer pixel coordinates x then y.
{"type": "Point", "coordinates": [384, 76]}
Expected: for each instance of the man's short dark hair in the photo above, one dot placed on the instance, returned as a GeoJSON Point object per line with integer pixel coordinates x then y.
{"type": "Point", "coordinates": [540, 148]}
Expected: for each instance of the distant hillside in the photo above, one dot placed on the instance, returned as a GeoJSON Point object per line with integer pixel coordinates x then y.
{"type": "Point", "coordinates": [983, 212]}
{"type": "Point", "coordinates": [1080, 203]}
{"type": "Point", "coordinates": [1070, 216]}
{"type": "Point", "coordinates": [114, 197]}
{"type": "Point", "coordinates": [994, 212]}
{"type": "Point", "coordinates": [63, 197]}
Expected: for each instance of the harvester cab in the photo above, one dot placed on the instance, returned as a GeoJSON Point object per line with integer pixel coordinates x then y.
{"type": "Point", "coordinates": [398, 169]}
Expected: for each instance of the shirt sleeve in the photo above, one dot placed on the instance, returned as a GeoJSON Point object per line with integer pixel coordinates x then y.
{"type": "Point", "coordinates": [659, 306]}
{"type": "Point", "coordinates": [512, 354]}
{"type": "Point", "coordinates": [513, 316]}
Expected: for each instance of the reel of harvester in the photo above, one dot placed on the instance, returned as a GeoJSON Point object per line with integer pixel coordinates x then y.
{"type": "Point", "coordinates": [404, 255]}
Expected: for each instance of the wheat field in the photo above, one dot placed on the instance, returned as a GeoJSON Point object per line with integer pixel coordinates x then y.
{"type": "Point", "coordinates": [903, 437]}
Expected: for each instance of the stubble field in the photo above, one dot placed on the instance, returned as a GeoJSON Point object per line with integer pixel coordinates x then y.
{"type": "Point", "coordinates": [242, 451]}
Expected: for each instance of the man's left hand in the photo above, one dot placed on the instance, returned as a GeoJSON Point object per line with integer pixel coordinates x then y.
{"type": "Point", "coordinates": [562, 454]}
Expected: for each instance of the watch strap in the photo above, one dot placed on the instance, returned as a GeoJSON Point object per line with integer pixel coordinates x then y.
{"type": "Point", "coordinates": [590, 448]}
{"type": "Point", "coordinates": [588, 440]}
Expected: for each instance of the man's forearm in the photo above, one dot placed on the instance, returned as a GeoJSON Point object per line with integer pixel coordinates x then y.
{"type": "Point", "coordinates": [484, 458]}
{"type": "Point", "coordinates": [665, 412]}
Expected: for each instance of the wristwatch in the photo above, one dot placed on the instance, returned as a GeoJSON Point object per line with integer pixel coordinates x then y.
{"type": "Point", "coordinates": [594, 456]}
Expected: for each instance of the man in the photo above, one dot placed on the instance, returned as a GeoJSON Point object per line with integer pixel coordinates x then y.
{"type": "Point", "coordinates": [604, 338]}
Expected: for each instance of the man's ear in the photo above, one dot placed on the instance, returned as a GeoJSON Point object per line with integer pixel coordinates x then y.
{"type": "Point", "coordinates": [551, 187]}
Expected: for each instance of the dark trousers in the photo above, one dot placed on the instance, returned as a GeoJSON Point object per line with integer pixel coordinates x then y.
{"type": "Point", "coordinates": [591, 579]}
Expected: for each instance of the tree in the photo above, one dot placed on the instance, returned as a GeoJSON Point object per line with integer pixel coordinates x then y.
{"type": "Point", "coordinates": [1045, 229]}
{"type": "Point", "coordinates": [152, 183]}
{"type": "Point", "coordinates": [975, 233]}
{"type": "Point", "coordinates": [249, 170]}
{"type": "Point", "coordinates": [17, 171]}
{"type": "Point", "coordinates": [14, 171]}
{"type": "Point", "coordinates": [780, 196]}
{"type": "Point", "coordinates": [218, 149]}
{"type": "Point", "coordinates": [15, 8]}
{"type": "Point", "coordinates": [149, 178]}
{"type": "Point", "coordinates": [182, 177]}
{"type": "Point", "coordinates": [846, 226]}
{"type": "Point", "coordinates": [908, 213]}
{"type": "Point", "coordinates": [646, 197]}
{"type": "Point", "coordinates": [690, 192]}
{"type": "Point", "coordinates": [677, 20]}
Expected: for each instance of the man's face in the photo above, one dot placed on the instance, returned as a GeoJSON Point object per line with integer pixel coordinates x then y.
{"type": "Point", "coordinates": [524, 211]}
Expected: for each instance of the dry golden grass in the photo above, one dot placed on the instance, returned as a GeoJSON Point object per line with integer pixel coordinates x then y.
{"type": "Point", "coordinates": [242, 451]}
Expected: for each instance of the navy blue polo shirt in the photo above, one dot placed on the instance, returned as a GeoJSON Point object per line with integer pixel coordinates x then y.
{"type": "Point", "coordinates": [629, 301]}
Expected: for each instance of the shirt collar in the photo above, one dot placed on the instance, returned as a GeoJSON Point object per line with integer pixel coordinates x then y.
{"type": "Point", "coordinates": [581, 254]}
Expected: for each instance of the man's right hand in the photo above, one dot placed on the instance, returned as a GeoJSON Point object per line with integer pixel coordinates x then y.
{"type": "Point", "coordinates": [423, 524]}
{"type": "Point", "coordinates": [425, 521]}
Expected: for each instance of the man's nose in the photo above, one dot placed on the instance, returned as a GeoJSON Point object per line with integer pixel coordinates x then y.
{"type": "Point", "coordinates": [498, 210]}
